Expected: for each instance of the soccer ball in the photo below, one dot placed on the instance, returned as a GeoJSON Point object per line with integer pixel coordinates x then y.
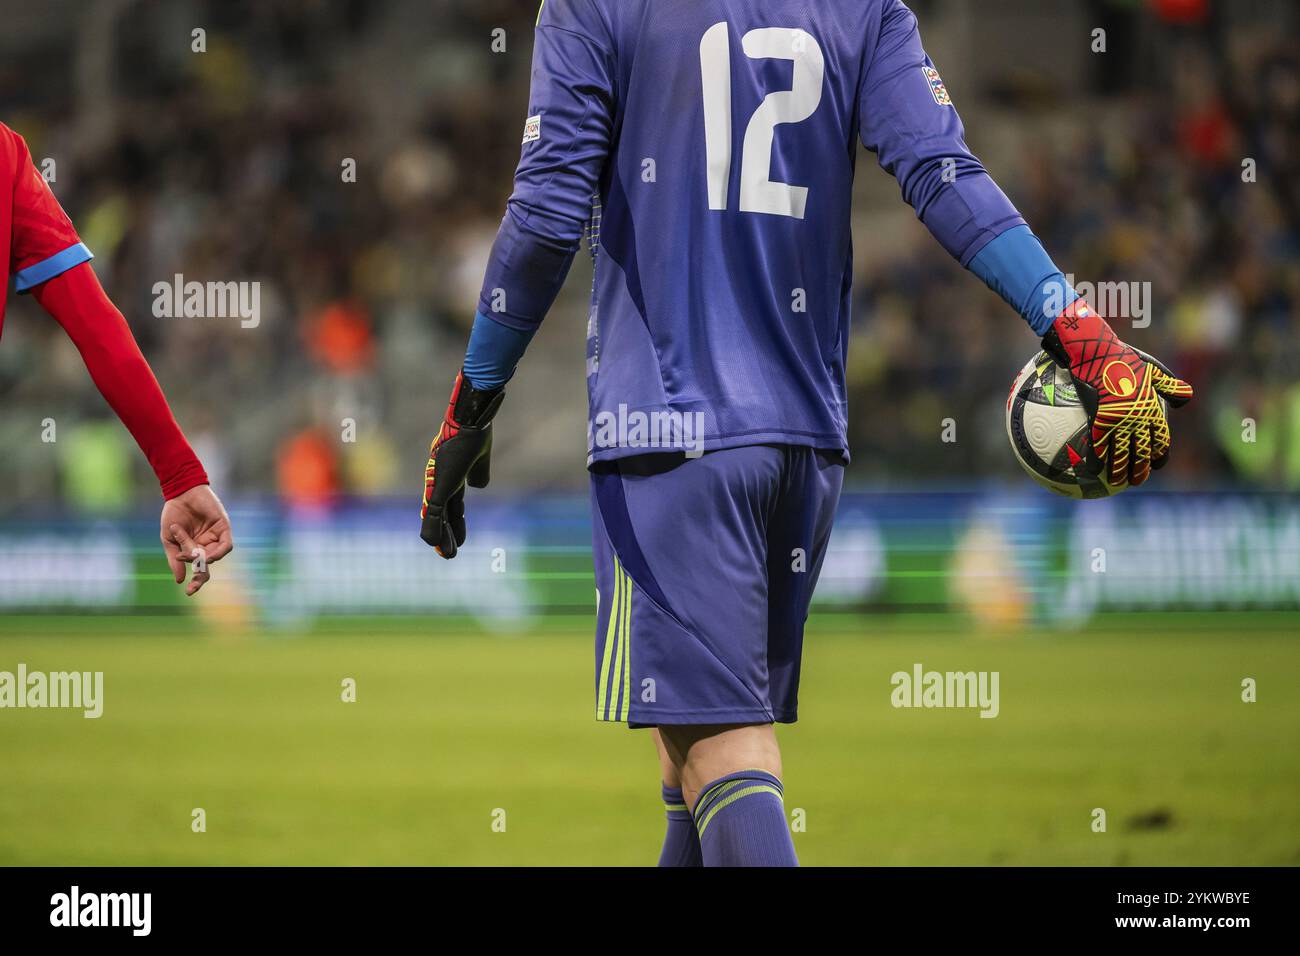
{"type": "Point", "coordinates": [1048, 429]}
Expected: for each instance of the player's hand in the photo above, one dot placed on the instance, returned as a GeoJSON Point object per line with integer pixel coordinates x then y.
{"type": "Point", "coordinates": [195, 530]}
{"type": "Point", "coordinates": [1124, 392]}
{"type": "Point", "coordinates": [459, 455]}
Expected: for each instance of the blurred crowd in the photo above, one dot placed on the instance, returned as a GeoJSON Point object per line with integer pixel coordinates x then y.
{"type": "Point", "coordinates": [1187, 178]}
{"type": "Point", "coordinates": [354, 159]}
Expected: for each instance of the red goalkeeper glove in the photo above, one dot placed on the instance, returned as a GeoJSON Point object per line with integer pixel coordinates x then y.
{"type": "Point", "coordinates": [458, 456]}
{"type": "Point", "coordinates": [1124, 392]}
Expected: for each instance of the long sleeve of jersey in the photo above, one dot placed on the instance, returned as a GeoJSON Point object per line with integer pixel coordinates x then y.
{"type": "Point", "coordinates": [78, 302]}
{"type": "Point", "coordinates": [565, 145]}
{"type": "Point", "coordinates": [907, 118]}
{"type": "Point", "coordinates": [41, 249]}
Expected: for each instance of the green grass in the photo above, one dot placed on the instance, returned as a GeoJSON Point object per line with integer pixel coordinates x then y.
{"type": "Point", "coordinates": [450, 725]}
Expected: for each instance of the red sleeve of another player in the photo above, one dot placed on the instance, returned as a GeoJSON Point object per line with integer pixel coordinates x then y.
{"type": "Point", "coordinates": [78, 302]}
{"type": "Point", "coordinates": [44, 243]}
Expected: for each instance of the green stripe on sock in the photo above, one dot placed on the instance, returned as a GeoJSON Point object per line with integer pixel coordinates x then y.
{"type": "Point", "coordinates": [732, 798]}
{"type": "Point", "coordinates": [719, 789]}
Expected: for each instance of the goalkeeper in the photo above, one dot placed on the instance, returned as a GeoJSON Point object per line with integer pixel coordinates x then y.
{"type": "Point", "coordinates": [710, 155]}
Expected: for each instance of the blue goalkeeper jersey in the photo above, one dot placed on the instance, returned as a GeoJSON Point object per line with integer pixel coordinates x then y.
{"type": "Point", "coordinates": [706, 149]}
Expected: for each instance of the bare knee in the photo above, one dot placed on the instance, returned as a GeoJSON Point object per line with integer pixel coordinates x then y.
{"type": "Point", "coordinates": [703, 753]}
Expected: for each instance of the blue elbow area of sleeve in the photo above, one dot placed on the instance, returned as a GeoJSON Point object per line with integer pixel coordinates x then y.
{"type": "Point", "coordinates": [961, 205]}
{"type": "Point", "coordinates": [1017, 267]}
{"type": "Point", "coordinates": [494, 351]}
{"type": "Point", "coordinates": [524, 274]}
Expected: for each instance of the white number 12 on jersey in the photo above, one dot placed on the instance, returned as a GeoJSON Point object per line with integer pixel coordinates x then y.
{"type": "Point", "coordinates": [757, 192]}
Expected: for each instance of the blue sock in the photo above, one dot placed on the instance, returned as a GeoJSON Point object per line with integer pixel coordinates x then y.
{"type": "Point", "coordinates": [741, 822]}
{"type": "Point", "coordinates": [681, 845]}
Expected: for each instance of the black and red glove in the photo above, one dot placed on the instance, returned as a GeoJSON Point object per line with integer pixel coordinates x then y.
{"type": "Point", "coordinates": [459, 455]}
{"type": "Point", "coordinates": [1124, 392]}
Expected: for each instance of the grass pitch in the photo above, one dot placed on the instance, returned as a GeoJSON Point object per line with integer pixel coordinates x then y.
{"type": "Point", "coordinates": [452, 725]}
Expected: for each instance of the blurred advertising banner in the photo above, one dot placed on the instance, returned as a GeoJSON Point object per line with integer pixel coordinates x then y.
{"type": "Point", "coordinates": [61, 566]}
{"type": "Point", "coordinates": [990, 557]}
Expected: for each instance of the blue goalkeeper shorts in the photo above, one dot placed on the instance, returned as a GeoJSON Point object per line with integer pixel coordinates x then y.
{"type": "Point", "coordinates": [705, 568]}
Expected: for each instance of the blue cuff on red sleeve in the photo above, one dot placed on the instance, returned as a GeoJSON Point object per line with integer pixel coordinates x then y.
{"type": "Point", "coordinates": [27, 279]}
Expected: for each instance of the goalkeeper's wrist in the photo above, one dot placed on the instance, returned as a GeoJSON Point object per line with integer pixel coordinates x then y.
{"type": "Point", "coordinates": [471, 407]}
{"type": "Point", "coordinates": [1069, 333]}
{"type": "Point", "coordinates": [494, 351]}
